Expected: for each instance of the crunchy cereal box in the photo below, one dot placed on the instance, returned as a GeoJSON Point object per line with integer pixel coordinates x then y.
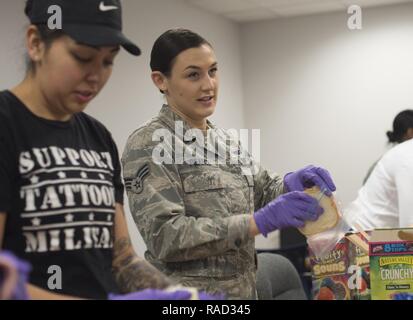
{"type": "Point", "coordinates": [391, 263]}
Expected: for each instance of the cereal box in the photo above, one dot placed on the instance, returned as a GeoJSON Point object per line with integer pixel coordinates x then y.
{"type": "Point", "coordinates": [344, 273]}
{"type": "Point", "coordinates": [359, 270]}
{"type": "Point", "coordinates": [330, 274]}
{"type": "Point", "coordinates": [391, 263]}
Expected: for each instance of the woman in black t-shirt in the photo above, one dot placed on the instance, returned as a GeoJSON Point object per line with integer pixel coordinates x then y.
{"type": "Point", "coordinates": [61, 193]}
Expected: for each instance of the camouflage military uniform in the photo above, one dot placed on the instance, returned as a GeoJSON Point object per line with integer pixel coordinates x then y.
{"type": "Point", "coordinates": [194, 218]}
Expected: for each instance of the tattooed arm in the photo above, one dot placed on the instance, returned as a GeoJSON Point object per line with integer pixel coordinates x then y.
{"type": "Point", "coordinates": [132, 273]}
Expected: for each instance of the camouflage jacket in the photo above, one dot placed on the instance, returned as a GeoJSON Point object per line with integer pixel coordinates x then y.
{"type": "Point", "coordinates": [194, 218]}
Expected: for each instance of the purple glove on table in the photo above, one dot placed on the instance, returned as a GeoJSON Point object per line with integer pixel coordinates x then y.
{"type": "Point", "coordinates": [288, 210]}
{"type": "Point", "coordinates": [309, 177]}
{"type": "Point", "coordinates": [153, 294]}
{"type": "Point", "coordinates": [156, 294]}
{"type": "Point", "coordinates": [206, 296]}
{"type": "Point", "coordinates": [14, 275]}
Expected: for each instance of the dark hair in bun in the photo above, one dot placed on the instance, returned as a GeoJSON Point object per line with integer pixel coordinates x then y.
{"type": "Point", "coordinates": [402, 123]}
{"type": "Point", "coordinates": [391, 137]}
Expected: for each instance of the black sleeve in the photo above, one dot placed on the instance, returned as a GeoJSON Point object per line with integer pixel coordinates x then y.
{"type": "Point", "coordinates": [117, 178]}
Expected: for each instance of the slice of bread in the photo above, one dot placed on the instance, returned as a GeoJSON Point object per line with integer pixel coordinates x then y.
{"type": "Point", "coordinates": [327, 220]}
{"type": "Point", "coordinates": [405, 235]}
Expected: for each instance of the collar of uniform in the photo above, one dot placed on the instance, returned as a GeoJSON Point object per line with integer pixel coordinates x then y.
{"type": "Point", "coordinates": [169, 118]}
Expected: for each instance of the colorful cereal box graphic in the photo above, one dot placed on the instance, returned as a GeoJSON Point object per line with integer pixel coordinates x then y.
{"type": "Point", "coordinates": [391, 263]}
{"type": "Point", "coordinates": [330, 274]}
{"type": "Point", "coordinates": [343, 274]}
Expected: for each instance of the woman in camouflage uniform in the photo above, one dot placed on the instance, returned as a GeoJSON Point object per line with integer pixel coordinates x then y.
{"type": "Point", "coordinates": [197, 209]}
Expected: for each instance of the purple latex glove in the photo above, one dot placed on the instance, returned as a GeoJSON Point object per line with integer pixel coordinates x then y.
{"type": "Point", "coordinates": [206, 296]}
{"type": "Point", "coordinates": [153, 294]}
{"type": "Point", "coordinates": [288, 210]}
{"type": "Point", "coordinates": [13, 277]}
{"type": "Point", "coordinates": [308, 177]}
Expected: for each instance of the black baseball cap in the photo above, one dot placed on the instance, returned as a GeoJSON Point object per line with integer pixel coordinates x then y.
{"type": "Point", "coordinates": [95, 23]}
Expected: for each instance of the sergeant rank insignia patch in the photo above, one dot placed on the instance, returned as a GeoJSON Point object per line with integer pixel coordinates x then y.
{"type": "Point", "coordinates": [135, 185]}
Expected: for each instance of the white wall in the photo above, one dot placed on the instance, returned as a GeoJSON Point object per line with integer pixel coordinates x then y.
{"type": "Point", "coordinates": [130, 98]}
{"type": "Point", "coordinates": [322, 94]}
{"type": "Point", "coordinates": [12, 27]}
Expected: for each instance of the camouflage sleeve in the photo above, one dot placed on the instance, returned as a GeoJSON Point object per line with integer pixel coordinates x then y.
{"type": "Point", "coordinates": [267, 187]}
{"type": "Point", "coordinates": [156, 201]}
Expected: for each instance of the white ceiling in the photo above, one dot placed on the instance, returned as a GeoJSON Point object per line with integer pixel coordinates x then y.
{"type": "Point", "coordinates": [253, 10]}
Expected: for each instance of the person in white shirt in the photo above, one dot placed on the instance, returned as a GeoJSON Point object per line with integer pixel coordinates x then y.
{"type": "Point", "coordinates": [386, 199]}
{"type": "Point", "coordinates": [402, 131]}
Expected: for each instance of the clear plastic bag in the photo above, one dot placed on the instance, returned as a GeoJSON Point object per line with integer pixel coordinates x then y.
{"type": "Point", "coordinates": [322, 243]}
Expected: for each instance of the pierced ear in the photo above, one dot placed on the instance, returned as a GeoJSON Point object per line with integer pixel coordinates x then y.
{"type": "Point", "coordinates": [160, 81]}
{"type": "Point", "coordinates": [34, 44]}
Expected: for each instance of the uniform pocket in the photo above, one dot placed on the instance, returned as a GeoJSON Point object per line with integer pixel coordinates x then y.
{"type": "Point", "coordinates": [203, 180]}
{"type": "Point", "coordinates": [205, 191]}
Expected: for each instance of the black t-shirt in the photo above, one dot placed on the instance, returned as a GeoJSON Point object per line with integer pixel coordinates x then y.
{"type": "Point", "coordinates": [59, 182]}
